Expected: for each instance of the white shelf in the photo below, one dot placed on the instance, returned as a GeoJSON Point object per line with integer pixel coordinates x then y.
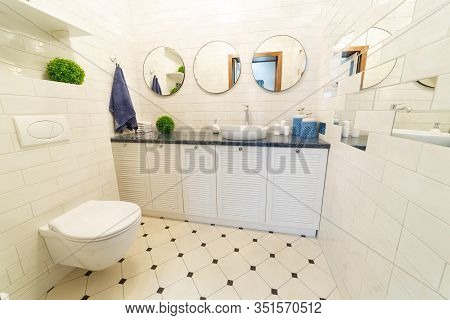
{"type": "Point", "coordinates": [36, 12]}
{"type": "Point", "coordinates": [179, 75]}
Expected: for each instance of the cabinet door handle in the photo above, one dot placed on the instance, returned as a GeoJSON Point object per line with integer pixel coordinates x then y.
{"type": "Point", "coordinates": [160, 145]}
{"type": "Point", "coordinates": [195, 147]}
{"type": "Point", "coordinates": [240, 148]}
{"type": "Point", "coordinates": [297, 150]}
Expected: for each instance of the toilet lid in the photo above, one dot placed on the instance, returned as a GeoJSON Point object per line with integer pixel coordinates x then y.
{"type": "Point", "coordinates": [96, 220]}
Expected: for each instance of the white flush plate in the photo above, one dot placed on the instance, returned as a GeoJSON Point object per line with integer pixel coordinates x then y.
{"type": "Point", "coordinates": [34, 130]}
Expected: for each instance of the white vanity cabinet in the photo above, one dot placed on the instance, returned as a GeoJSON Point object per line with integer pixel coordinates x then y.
{"type": "Point", "coordinates": [130, 160]}
{"type": "Point", "coordinates": [198, 171]}
{"type": "Point", "coordinates": [165, 177]}
{"type": "Point", "coordinates": [241, 183]}
{"type": "Point", "coordinates": [295, 187]}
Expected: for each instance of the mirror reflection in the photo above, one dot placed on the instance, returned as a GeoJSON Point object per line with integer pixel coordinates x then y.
{"type": "Point", "coordinates": [364, 56]}
{"type": "Point", "coordinates": [217, 67]}
{"type": "Point", "coordinates": [279, 63]}
{"type": "Point", "coordinates": [164, 71]}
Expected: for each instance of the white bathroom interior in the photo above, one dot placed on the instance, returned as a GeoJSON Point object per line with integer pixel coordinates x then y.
{"type": "Point", "coordinates": [309, 158]}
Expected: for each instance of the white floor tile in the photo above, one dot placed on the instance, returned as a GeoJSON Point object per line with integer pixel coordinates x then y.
{"type": "Point", "coordinates": [141, 286]}
{"type": "Point", "coordinates": [154, 225]}
{"type": "Point", "coordinates": [322, 263]}
{"type": "Point", "coordinates": [198, 226]}
{"type": "Point", "coordinates": [294, 289]}
{"type": "Point", "coordinates": [208, 234]}
{"type": "Point", "coordinates": [272, 243]}
{"type": "Point", "coordinates": [321, 283]}
{"type": "Point", "coordinates": [273, 273]}
{"type": "Point", "coordinates": [184, 289]}
{"type": "Point", "coordinates": [164, 253]}
{"type": "Point", "coordinates": [255, 234]}
{"type": "Point", "coordinates": [171, 272]}
{"type": "Point", "coordinates": [273, 297]}
{"type": "Point", "coordinates": [179, 230]}
{"type": "Point", "coordinates": [225, 230]}
{"type": "Point", "coordinates": [219, 248]}
{"type": "Point", "coordinates": [170, 222]}
{"type": "Point", "coordinates": [136, 264]}
{"type": "Point", "coordinates": [288, 238]}
{"type": "Point", "coordinates": [254, 253]}
{"type": "Point", "coordinates": [72, 290]}
{"type": "Point", "coordinates": [335, 295]}
{"type": "Point", "coordinates": [155, 296]}
{"type": "Point", "coordinates": [113, 293]}
{"type": "Point", "coordinates": [307, 248]}
{"type": "Point", "coordinates": [101, 280]}
{"type": "Point", "coordinates": [291, 259]}
{"type": "Point", "coordinates": [76, 273]}
{"type": "Point", "coordinates": [239, 238]}
{"type": "Point", "coordinates": [226, 293]}
{"type": "Point", "coordinates": [188, 243]}
{"type": "Point", "coordinates": [251, 286]}
{"type": "Point", "coordinates": [233, 266]}
{"type": "Point", "coordinates": [209, 279]}
{"type": "Point", "coordinates": [197, 259]}
{"type": "Point", "coordinates": [158, 238]}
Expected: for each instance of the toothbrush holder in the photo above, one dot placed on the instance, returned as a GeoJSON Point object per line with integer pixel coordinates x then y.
{"type": "Point", "coordinates": [309, 130]}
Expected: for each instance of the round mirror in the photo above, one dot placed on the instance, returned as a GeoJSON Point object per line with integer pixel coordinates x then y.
{"type": "Point", "coordinates": [217, 67]}
{"type": "Point", "coordinates": [279, 63]}
{"type": "Point", "coordinates": [164, 71]}
{"type": "Point", "coordinates": [364, 56]}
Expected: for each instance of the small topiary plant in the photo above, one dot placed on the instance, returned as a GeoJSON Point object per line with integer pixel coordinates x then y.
{"type": "Point", "coordinates": [165, 124]}
{"type": "Point", "coordinates": [65, 70]}
{"type": "Point", "coordinates": [181, 69]}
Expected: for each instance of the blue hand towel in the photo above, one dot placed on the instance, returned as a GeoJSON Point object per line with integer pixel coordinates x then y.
{"type": "Point", "coordinates": [155, 86]}
{"type": "Point", "coordinates": [121, 105]}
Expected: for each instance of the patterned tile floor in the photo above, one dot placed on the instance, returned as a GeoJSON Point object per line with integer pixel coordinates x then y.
{"type": "Point", "coordinates": [183, 260]}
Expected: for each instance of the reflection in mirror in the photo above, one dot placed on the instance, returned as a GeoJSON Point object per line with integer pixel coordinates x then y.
{"type": "Point", "coordinates": [279, 63]}
{"type": "Point", "coordinates": [164, 71]}
{"type": "Point", "coordinates": [217, 67]}
{"type": "Point", "coordinates": [364, 56]}
{"type": "Point", "coordinates": [429, 83]}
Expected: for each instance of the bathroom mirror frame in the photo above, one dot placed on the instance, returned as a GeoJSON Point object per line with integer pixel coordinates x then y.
{"type": "Point", "coordinates": [231, 58]}
{"type": "Point", "coordinates": [278, 73]}
{"type": "Point", "coordinates": [173, 51]}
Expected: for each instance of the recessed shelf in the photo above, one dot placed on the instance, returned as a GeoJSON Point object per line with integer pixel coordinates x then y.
{"type": "Point", "coordinates": [175, 75]}
{"type": "Point", "coordinates": [35, 13]}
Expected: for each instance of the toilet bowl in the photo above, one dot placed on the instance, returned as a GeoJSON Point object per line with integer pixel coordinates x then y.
{"type": "Point", "coordinates": [94, 235]}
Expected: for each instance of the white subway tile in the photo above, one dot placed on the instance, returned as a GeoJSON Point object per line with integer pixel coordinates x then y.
{"type": "Point", "coordinates": [30, 245]}
{"type": "Point", "coordinates": [6, 125]}
{"type": "Point", "coordinates": [403, 152]}
{"type": "Point", "coordinates": [434, 163]}
{"type": "Point", "coordinates": [420, 190]}
{"type": "Point", "coordinates": [419, 260]}
{"type": "Point", "coordinates": [16, 85]}
{"type": "Point", "coordinates": [10, 181]}
{"type": "Point", "coordinates": [405, 287]}
{"type": "Point", "coordinates": [6, 144]}
{"type": "Point", "coordinates": [4, 280]}
{"type": "Point", "coordinates": [15, 217]}
{"type": "Point", "coordinates": [49, 170]}
{"type": "Point", "coordinates": [18, 105]}
{"type": "Point", "coordinates": [8, 258]}
{"type": "Point", "coordinates": [375, 121]}
{"type": "Point", "coordinates": [71, 149]}
{"type": "Point", "coordinates": [21, 160]}
{"type": "Point", "coordinates": [367, 163]}
{"type": "Point", "coordinates": [15, 272]}
{"type": "Point", "coordinates": [87, 106]}
{"type": "Point", "coordinates": [430, 230]}
{"type": "Point", "coordinates": [78, 176]}
{"type": "Point", "coordinates": [427, 62]}
{"type": "Point", "coordinates": [385, 198]}
{"type": "Point", "coordinates": [20, 197]}
{"type": "Point", "coordinates": [54, 89]}
{"type": "Point", "coordinates": [441, 99]}
{"type": "Point", "coordinates": [445, 285]}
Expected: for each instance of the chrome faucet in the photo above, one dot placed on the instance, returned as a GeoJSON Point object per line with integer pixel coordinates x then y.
{"type": "Point", "coordinates": [400, 107]}
{"type": "Point", "coordinates": [246, 113]}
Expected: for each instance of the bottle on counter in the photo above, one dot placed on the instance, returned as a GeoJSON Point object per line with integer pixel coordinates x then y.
{"type": "Point", "coordinates": [215, 127]}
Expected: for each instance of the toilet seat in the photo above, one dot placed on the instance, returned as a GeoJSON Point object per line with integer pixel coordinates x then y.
{"type": "Point", "coordinates": [96, 220]}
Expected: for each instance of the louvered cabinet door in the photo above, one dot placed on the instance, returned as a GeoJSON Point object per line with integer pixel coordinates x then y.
{"type": "Point", "coordinates": [198, 169]}
{"type": "Point", "coordinates": [295, 188]}
{"type": "Point", "coordinates": [165, 177]}
{"type": "Point", "coordinates": [132, 178]}
{"type": "Point", "coordinates": [241, 183]}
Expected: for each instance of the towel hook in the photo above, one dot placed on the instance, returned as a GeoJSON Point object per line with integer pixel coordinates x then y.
{"type": "Point", "coordinates": [114, 60]}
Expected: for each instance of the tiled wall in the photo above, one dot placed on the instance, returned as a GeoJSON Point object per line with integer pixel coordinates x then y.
{"type": "Point", "coordinates": [187, 25]}
{"type": "Point", "coordinates": [40, 183]}
{"type": "Point", "coordinates": [385, 223]}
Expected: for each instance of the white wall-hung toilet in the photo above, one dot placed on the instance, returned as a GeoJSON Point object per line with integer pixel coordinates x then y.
{"type": "Point", "coordinates": [94, 235]}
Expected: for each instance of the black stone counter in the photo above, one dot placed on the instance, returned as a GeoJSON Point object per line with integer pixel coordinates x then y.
{"type": "Point", "coordinates": [359, 143]}
{"type": "Point", "coordinates": [207, 138]}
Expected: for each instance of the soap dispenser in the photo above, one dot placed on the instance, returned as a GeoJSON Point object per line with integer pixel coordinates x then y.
{"type": "Point", "coordinates": [215, 127]}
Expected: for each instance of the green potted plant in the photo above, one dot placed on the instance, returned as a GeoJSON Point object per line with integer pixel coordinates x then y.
{"type": "Point", "coordinates": [165, 124]}
{"type": "Point", "coordinates": [65, 70]}
{"type": "Point", "coordinates": [181, 69]}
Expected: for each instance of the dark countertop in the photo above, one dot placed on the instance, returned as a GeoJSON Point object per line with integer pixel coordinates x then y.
{"type": "Point", "coordinates": [207, 138]}
{"type": "Point", "coordinates": [359, 143]}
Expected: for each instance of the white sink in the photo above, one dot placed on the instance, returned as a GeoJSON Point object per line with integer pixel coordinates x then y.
{"type": "Point", "coordinates": [244, 132]}
{"type": "Point", "coordinates": [439, 138]}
